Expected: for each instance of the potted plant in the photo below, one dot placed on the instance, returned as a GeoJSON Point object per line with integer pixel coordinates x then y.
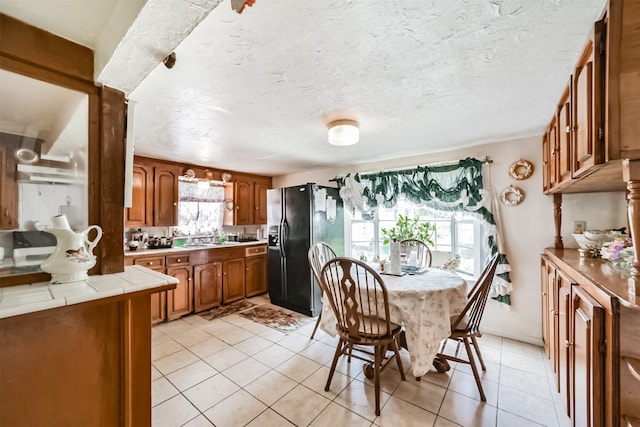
{"type": "Point", "coordinates": [409, 228]}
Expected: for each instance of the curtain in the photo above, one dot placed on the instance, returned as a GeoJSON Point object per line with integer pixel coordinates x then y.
{"type": "Point", "coordinates": [455, 187]}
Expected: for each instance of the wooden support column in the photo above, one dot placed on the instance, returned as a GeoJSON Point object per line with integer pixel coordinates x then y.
{"type": "Point", "coordinates": [557, 219]}
{"type": "Point", "coordinates": [631, 174]}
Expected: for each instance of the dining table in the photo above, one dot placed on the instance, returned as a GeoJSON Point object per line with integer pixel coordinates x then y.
{"type": "Point", "coordinates": [423, 303]}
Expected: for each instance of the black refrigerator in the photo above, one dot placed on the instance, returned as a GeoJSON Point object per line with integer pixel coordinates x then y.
{"type": "Point", "coordinates": [298, 217]}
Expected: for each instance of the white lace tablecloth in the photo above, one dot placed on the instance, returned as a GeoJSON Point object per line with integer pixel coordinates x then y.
{"type": "Point", "coordinates": [423, 303]}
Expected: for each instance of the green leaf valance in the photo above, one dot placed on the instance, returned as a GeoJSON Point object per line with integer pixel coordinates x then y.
{"type": "Point", "coordinates": [456, 187]}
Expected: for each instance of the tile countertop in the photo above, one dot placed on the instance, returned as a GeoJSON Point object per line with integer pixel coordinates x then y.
{"type": "Point", "coordinates": [23, 299]}
{"type": "Point", "coordinates": [195, 247]}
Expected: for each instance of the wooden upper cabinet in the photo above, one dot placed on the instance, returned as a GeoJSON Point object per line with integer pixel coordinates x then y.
{"type": "Point", "coordinates": [141, 211]}
{"type": "Point", "coordinates": [165, 205]}
{"type": "Point", "coordinates": [154, 200]}
{"type": "Point", "coordinates": [260, 201]}
{"type": "Point", "coordinates": [553, 152]}
{"type": "Point", "coordinates": [588, 105]}
{"type": "Point", "coordinates": [546, 166]}
{"type": "Point", "coordinates": [249, 201]}
{"type": "Point", "coordinates": [243, 200]}
{"type": "Point", "coordinates": [563, 150]}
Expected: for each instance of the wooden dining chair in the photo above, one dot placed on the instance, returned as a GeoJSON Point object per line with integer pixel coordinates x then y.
{"type": "Point", "coordinates": [318, 255]}
{"type": "Point", "coordinates": [360, 303]}
{"type": "Point", "coordinates": [421, 248]}
{"type": "Point", "coordinates": [465, 328]}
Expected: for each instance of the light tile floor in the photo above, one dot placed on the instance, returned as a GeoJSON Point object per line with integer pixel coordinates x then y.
{"type": "Point", "coordinates": [235, 372]}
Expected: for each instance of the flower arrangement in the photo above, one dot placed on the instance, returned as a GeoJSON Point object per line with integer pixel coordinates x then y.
{"type": "Point", "coordinates": [619, 252]}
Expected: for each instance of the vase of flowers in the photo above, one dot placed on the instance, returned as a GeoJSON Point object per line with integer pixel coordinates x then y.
{"type": "Point", "coordinates": [619, 252]}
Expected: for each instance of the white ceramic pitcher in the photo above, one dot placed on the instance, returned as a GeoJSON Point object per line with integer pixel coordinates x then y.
{"type": "Point", "coordinates": [73, 255]}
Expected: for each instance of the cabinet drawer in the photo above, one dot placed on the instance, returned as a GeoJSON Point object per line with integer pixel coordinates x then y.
{"type": "Point", "coordinates": [177, 260]}
{"type": "Point", "coordinates": [151, 262]}
{"type": "Point", "coordinates": [255, 250]}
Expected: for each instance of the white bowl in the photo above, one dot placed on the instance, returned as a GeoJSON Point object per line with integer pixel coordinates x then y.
{"type": "Point", "coordinates": [582, 241]}
{"type": "Point", "coordinates": [600, 236]}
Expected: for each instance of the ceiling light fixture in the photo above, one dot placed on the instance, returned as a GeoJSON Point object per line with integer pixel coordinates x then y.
{"type": "Point", "coordinates": [343, 132]}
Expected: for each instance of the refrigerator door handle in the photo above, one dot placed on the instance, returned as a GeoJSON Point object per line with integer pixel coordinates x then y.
{"type": "Point", "coordinates": [283, 238]}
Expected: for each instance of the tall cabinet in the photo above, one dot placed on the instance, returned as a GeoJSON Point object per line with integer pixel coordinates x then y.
{"type": "Point", "coordinates": [591, 315]}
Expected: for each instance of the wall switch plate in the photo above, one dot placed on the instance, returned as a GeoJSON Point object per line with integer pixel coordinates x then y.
{"type": "Point", "coordinates": [579, 226]}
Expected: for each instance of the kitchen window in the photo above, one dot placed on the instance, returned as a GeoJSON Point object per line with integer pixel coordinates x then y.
{"type": "Point", "coordinates": [200, 207]}
{"type": "Point", "coordinates": [457, 233]}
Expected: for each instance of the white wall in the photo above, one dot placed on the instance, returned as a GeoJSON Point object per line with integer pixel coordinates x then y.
{"type": "Point", "coordinates": [528, 228]}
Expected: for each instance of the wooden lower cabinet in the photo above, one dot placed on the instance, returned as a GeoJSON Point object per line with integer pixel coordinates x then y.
{"type": "Point", "coordinates": [256, 275]}
{"type": "Point", "coordinates": [588, 341]}
{"type": "Point", "coordinates": [207, 286]}
{"type": "Point", "coordinates": [158, 307]}
{"type": "Point", "coordinates": [180, 300]}
{"type": "Point", "coordinates": [588, 326]}
{"type": "Point", "coordinates": [85, 364]}
{"type": "Point", "coordinates": [207, 278]}
{"type": "Point", "coordinates": [563, 352]}
{"type": "Point", "coordinates": [233, 280]}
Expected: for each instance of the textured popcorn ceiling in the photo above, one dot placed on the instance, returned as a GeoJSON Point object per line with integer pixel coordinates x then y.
{"type": "Point", "coordinates": [254, 92]}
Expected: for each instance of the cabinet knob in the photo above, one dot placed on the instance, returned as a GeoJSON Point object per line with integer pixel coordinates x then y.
{"type": "Point", "coordinates": [237, 207]}
{"type": "Point", "coordinates": [150, 263]}
{"type": "Point", "coordinates": [175, 204]}
{"type": "Point", "coordinates": [567, 129]}
{"type": "Point", "coordinates": [256, 208]}
{"type": "Point", "coordinates": [567, 343]}
{"type": "Point", "coordinates": [178, 260]}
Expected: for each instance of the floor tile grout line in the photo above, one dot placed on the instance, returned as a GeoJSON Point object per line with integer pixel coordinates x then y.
{"type": "Point", "coordinates": [321, 339]}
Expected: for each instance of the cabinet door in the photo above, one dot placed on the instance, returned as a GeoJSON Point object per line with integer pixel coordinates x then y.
{"type": "Point", "coordinates": [9, 186]}
{"type": "Point", "coordinates": [141, 211]}
{"type": "Point", "coordinates": [158, 307]}
{"type": "Point", "coordinates": [545, 162]}
{"type": "Point", "coordinates": [551, 346]}
{"type": "Point", "coordinates": [563, 152]}
{"type": "Point", "coordinates": [260, 200]}
{"type": "Point", "coordinates": [165, 204]}
{"type": "Point", "coordinates": [564, 340]}
{"type": "Point", "coordinates": [207, 286]}
{"type": "Point", "coordinates": [233, 280]}
{"type": "Point", "coordinates": [554, 153]}
{"type": "Point", "coordinates": [180, 299]}
{"type": "Point", "coordinates": [256, 275]}
{"type": "Point", "coordinates": [588, 356]}
{"type": "Point", "coordinates": [243, 199]}
{"type": "Point", "coordinates": [588, 122]}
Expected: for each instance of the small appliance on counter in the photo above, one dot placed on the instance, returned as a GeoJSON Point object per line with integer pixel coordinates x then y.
{"type": "Point", "coordinates": [32, 247]}
{"type": "Point", "coordinates": [160, 243]}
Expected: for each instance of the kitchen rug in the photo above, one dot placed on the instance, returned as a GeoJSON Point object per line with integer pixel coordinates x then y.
{"type": "Point", "coordinates": [225, 310]}
{"type": "Point", "coordinates": [277, 318]}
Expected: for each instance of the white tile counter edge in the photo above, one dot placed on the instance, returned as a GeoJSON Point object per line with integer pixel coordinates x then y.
{"type": "Point", "coordinates": [23, 299]}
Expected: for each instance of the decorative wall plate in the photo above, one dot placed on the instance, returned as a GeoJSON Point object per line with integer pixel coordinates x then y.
{"type": "Point", "coordinates": [512, 196]}
{"type": "Point", "coordinates": [521, 170]}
